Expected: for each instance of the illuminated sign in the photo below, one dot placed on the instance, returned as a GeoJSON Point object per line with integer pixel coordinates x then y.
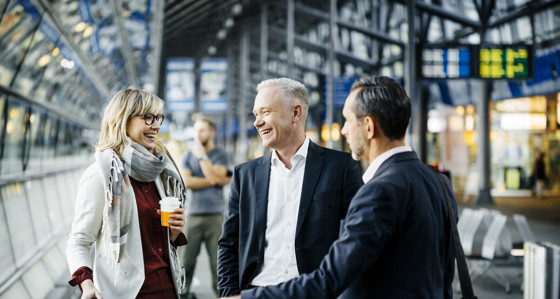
{"type": "Point", "coordinates": [504, 62]}
{"type": "Point", "coordinates": [522, 121]}
{"type": "Point", "coordinates": [446, 63]}
{"type": "Point", "coordinates": [532, 104]}
{"type": "Point", "coordinates": [473, 61]}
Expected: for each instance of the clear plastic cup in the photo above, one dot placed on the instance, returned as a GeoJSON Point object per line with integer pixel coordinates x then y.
{"type": "Point", "coordinates": [167, 207]}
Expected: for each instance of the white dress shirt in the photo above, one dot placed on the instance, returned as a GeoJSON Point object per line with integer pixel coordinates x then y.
{"type": "Point", "coordinates": [284, 193]}
{"type": "Point", "coordinates": [374, 166]}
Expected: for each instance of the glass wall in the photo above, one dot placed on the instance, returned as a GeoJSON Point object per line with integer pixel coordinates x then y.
{"type": "Point", "coordinates": [49, 113]}
{"type": "Point", "coordinates": [34, 218]}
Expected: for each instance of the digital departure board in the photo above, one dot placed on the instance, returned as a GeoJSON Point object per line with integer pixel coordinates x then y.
{"type": "Point", "coordinates": [475, 61]}
{"type": "Point", "coordinates": [504, 62]}
{"type": "Point", "coordinates": [446, 63]}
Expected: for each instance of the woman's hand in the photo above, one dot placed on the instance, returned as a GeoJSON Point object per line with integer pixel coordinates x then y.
{"type": "Point", "coordinates": [176, 223]}
{"type": "Point", "coordinates": [89, 290]}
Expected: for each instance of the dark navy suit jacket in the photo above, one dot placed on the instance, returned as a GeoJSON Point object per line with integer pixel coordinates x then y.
{"type": "Point", "coordinates": [331, 178]}
{"type": "Point", "coordinates": [396, 242]}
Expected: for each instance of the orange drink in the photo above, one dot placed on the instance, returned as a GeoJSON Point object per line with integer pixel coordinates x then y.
{"type": "Point", "coordinates": [168, 206]}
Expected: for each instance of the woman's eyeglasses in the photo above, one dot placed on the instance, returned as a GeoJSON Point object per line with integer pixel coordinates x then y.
{"type": "Point", "coordinates": [149, 118]}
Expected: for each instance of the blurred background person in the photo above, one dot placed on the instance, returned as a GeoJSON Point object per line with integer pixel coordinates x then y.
{"type": "Point", "coordinates": [204, 170]}
{"type": "Point", "coordinates": [539, 176]}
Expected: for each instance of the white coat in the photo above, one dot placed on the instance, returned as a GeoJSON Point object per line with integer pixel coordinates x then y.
{"type": "Point", "coordinates": [86, 230]}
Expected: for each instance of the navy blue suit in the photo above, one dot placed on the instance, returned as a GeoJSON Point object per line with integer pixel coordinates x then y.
{"type": "Point", "coordinates": [396, 242]}
{"type": "Point", "coordinates": [331, 178]}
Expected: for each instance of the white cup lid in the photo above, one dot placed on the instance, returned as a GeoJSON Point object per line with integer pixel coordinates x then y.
{"type": "Point", "coordinates": [169, 201]}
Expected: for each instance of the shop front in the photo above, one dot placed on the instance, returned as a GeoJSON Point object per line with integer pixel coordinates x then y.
{"type": "Point", "coordinates": [521, 129]}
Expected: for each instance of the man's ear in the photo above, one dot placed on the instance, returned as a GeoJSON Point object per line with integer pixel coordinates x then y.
{"type": "Point", "coordinates": [370, 125]}
{"type": "Point", "coordinates": [296, 113]}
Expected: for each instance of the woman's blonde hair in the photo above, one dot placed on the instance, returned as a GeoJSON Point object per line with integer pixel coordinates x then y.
{"type": "Point", "coordinates": [122, 107]}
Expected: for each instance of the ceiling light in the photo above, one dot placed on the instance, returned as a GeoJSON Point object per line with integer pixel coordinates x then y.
{"type": "Point", "coordinates": [221, 34]}
{"type": "Point", "coordinates": [55, 51]}
{"type": "Point", "coordinates": [236, 9]}
{"type": "Point", "coordinates": [229, 23]}
{"type": "Point", "coordinates": [44, 60]}
{"type": "Point", "coordinates": [68, 64]}
{"type": "Point", "coordinates": [212, 50]}
{"type": "Point", "coordinates": [80, 27]}
{"type": "Point", "coordinates": [335, 132]}
{"type": "Point", "coordinates": [88, 31]}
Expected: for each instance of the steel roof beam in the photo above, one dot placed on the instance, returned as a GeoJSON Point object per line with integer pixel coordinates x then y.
{"type": "Point", "coordinates": [301, 8]}
{"type": "Point", "coordinates": [276, 56]}
{"type": "Point", "coordinates": [130, 65]}
{"type": "Point", "coordinates": [50, 109]}
{"type": "Point", "coordinates": [376, 35]}
{"type": "Point", "coordinates": [186, 17]}
{"type": "Point", "coordinates": [532, 7]}
{"type": "Point", "coordinates": [524, 11]}
{"type": "Point", "coordinates": [53, 19]}
{"type": "Point", "coordinates": [173, 29]}
{"type": "Point", "coordinates": [440, 12]}
{"type": "Point", "coordinates": [340, 55]}
{"type": "Point", "coordinates": [187, 9]}
{"type": "Point", "coordinates": [158, 23]}
{"type": "Point", "coordinates": [176, 6]}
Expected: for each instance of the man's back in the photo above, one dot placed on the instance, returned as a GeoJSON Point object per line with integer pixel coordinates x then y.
{"type": "Point", "coordinates": [416, 260]}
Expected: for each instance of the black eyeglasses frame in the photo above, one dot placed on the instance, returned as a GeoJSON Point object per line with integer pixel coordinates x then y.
{"type": "Point", "coordinates": [150, 116]}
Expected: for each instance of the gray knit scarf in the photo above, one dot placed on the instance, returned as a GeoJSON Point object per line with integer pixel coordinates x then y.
{"type": "Point", "coordinates": [143, 166]}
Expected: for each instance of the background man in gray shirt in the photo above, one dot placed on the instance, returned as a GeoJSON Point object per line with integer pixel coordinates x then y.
{"type": "Point", "coordinates": [204, 172]}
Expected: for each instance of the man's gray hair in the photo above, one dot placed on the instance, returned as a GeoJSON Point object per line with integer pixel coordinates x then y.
{"type": "Point", "coordinates": [292, 91]}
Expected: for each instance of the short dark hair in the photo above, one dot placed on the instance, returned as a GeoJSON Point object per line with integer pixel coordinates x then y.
{"type": "Point", "coordinates": [200, 117]}
{"type": "Point", "coordinates": [386, 102]}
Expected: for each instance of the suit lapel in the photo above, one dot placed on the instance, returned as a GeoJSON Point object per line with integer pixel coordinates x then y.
{"type": "Point", "coordinates": [313, 168]}
{"type": "Point", "coordinates": [262, 177]}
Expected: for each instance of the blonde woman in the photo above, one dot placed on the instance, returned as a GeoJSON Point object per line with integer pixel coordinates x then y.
{"type": "Point", "coordinates": [117, 208]}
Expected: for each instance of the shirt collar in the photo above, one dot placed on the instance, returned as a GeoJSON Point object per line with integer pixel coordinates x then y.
{"type": "Point", "coordinates": [374, 166]}
{"type": "Point", "coordinates": [302, 152]}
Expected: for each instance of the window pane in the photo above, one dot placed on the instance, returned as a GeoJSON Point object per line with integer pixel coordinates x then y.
{"type": "Point", "coordinates": [68, 144]}
{"type": "Point", "coordinates": [7, 262]}
{"type": "Point", "coordinates": [2, 103]}
{"type": "Point", "coordinates": [49, 133]}
{"type": "Point", "coordinates": [16, 29]}
{"type": "Point", "coordinates": [95, 33]}
{"type": "Point", "coordinates": [61, 245]}
{"type": "Point", "coordinates": [38, 205]}
{"type": "Point", "coordinates": [55, 210]}
{"type": "Point", "coordinates": [12, 160]}
{"type": "Point", "coordinates": [524, 28]}
{"type": "Point", "coordinates": [55, 261]}
{"type": "Point", "coordinates": [71, 185]}
{"type": "Point", "coordinates": [38, 281]}
{"type": "Point", "coordinates": [61, 149]}
{"type": "Point", "coordinates": [17, 290]}
{"type": "Point", "coordinates": [64, 197]}
{"type": "Point", "coordinates": [18, 218]}
{"type": "Point", "coordinates": [36, 141]}
{"type": "Point", "coordinates": [38, 56]}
